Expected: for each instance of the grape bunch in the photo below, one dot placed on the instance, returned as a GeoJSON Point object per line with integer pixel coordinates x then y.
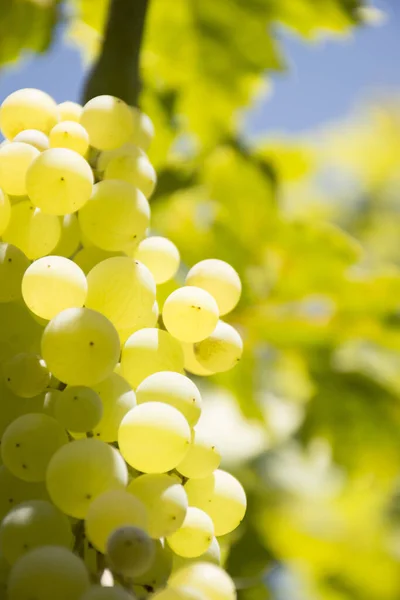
{"type": "Point", "coordinates": [110, 489]}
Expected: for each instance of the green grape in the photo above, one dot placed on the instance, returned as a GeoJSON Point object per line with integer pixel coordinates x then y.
{"type": "Point", "coordinates": [26, 374]}
{"type": "Point", "coordinates": [191, 363]}
{"type": "Point", "coordinates": [70, 236]}
{"type": "Point", "coordinates": [145, 319]}
{"type": "Point", "coordinates": [108, 512]}
{"type": "Point", "coordinates": [52, 284]}
{"type": "Point", "coordinates": [131, 164]}
{"type": "Point", "coordinates": [59, 181]}
{"type": "Point", "coordinates": [157, 575]}
{"type": "Point", "coordinates": [122, 289]}
{"type": "Point", "coordinates": [148, 351]}
{"type": "Point", "coordinates": [201, 459]}
{"type": "Point", "coordinates": [130, 551]}
{"type": "Point", "coordinates": [117, 398]}
{"type": "Point", "coordinates": [34, 137]}
{"type": "Point", "coordinates": [89, 257]}
{"type": "Point", "coordinates": [174, 389]}
{"type": "Point", "coordinates": [29, 443]}
{"type": "Point", "coordinates": [190, 314]}
{"type": "Point", "coordinates": [71, 135]}
{"type": "Point", "coordinates": [15, 160]}
{"type": "Point", "coordinates": [143, 129]}
{"type": "Point", "coordinates": [194, 535]}
{"type": "Point", "coordinates": [5, 211]}
{"type": "Point", "coordinates": [179, 593]}
{"type": "Point", "coordinates": [48, 573]}
{"type": "Point", "coordinates": [222, 350]}
{"type": "Point", "coordinates": [108, 121]}
{"type": "Point", "coordinates": [33, 231]}
{"type": "Point", "coordinates": [78, 409]}
{"type": "Point", "coordinates": [14, 490]}
{"type": "Point", "coordinates": [212, 554]}
{"type": "Point", "coordinates": [116, 215]}
{"type": "Point", "coordinates": [220, 280]}
{"type": "Point", "coordinates": [31, 524]}
{"type": "Point", "coordinates": [80, 346]}
{"type": "Point", "coordinates": [209, 579]}
{"type": "Point", "coordinates": [27, 109]}
{"type": "Point", "coordinates": [13, 264]}
{"type": "Point", "coordinates": [160, 256]}
{"type": "Point", "coordinates": [221, 496]}
{"type": "Point", "coordinates": [154, 437]}
{"type": "Point", "coordinates": [97, 592]}
{"type": "Point", "coordinates": [165, 500]}
{"type": "Point", "coordinates": [81, 471]}
{"type": "Point", "coordinates": [70, 111]}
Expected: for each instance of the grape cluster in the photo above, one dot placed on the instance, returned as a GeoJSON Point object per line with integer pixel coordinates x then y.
{"type": "Point", "coordinates": [109, 488]}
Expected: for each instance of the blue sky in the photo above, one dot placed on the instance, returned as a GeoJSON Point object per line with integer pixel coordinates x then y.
{"type": "Point", "coordinates": [325, 80]}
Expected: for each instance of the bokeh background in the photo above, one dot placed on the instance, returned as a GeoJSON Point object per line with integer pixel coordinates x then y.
{"type": "Point", "coordinates": [278, 149]}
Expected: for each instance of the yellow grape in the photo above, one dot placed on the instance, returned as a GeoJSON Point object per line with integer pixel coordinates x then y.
{"type": "Point", "coordinates": [89, 257]}
{"type": "Point", "coordinates": [108, 121]}
{"type": "Point", "coordinates": [201, 459]}
{"type": "Point", "coordinates": [78, 408]}
{"type": "Point", "coordinates": [117, 398]}
{"type": "Point", "coordinates": [70, 111]}
{"type": "Point", "coordinates": [219, 279]}
{"type": "Point", "coordinates": [13, 264]}
{"type": "Point", "coordinates": [14, 490]}
{"type": "Point", "coordinates": [26, 374]}
{"type": "Point", "coordinates": [143, 129]}
{"type": "Point", "coordinates": [69, 134]}
{"type": "Point", "coordinates": [222, 350]}
{"type": "Point", "coordinates": [206, 577]}
{"type": "Point", "coordinates": [190, 314]}
{"type": "Point", "coordinates": [160, 256]}
{"type": "Point", "coordinates": [27, 109]}
{"type": "Point", "coordinates": [194, 535]}
{"type": "Point", "coordinates": [15, 160]}
{"type": "Point", "coordinates": [191, 363]}
{"type": "Point", "coordinates": [35, 138]}
{"type": "Point", "coordinates": [130, 551]}
{"type": "Point", "coordinates": [131, 164]}
{"type": "Point", "coordinates": [70, 236]}
{"type": "Point", "coordinates": [212, 555]}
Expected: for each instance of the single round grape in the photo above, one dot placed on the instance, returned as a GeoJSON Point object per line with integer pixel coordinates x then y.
{"type": "Point", "coordinates": [33, 231]}
{"type": "Point", "coordinates": [28, 444]}
{"type": "Point", "coordinates": [13, 264]}
{"type": "Point", "coordinates": [116, 215]}
{"type": "Point", "coordinates": [143, 129]}
{"type": "Point", "coordinates": [59, 181]}
{"type": "Point", "coordinates": [14, 490]}
{"type": "Point", "coordinates": [212, 555]}
{"type": "Point", "coordinates": [31, 524]}
{"type": "Point", "coordinates": [47, 573]}
{"type": "Point", "coordinates": [78, 409]}
{"type": "Point", "coordinates": [222, 350]}
{"type": "Point", "coordinates": [201, 459]}
{"type": "Point", "coordinates": [15, 160]}
{"type": "Point", "coordinates": [52, 284]}
{"type": "Point", "coordinates": [219, 279]}
{"type": "Point", "coordinates": [173, 389]}
{"type": "Point", "coordinates": [71, 135]}
{"type": "Point", "coordinates": [131, 164]}
{"type": "Point", "coordinates": [148, 351]}
{"type": "Point", "coordinates": [26, 374]}
{"type": "Point", "coordinates": [160, 256]}
{"type": "Point", "coordinates": [117, 398]}
{"type": "Point", "coordinates": [27, 109]}
{"type": "Point", "coordinates": [221, 496]}
{"type": "Point", "coordinates": [70, 236]}
{"type": "Point", "coordinates": [122, 289]}
{"type": "Point", "coordinates": [5, 211]}
{"type": "Point", "coordinates": [130, 551]}
{"type": "Point", "coordinates": [210, 579]}
{"type": "Point", "coordinates": [108, 121]}
{"type": "Point", "coordinates": [190, 314]}
{"type": "Point", "coordinates": [98, 592]}
{"type": "Point", "coordinates": [157, 575]}
{"type": "Point", "coordinates": [89, 257]}
{"type": "Point", "coordinates": [70, 111]}
{"type": "Point", "coordinates": [165, 500]}
{"type": "Point", "coordinates": [108, 512]}
{"type": "Point", "coordinates": [81, 471]}
{"type": "Point", "coordinates": [195, 534]}
{"type": "Point", "coordinates": [191, 363]}
{"type": "Point", "coordinates": [80, 346]}
{"type": "Point", "coordinates": [35, 138]}
{"type": "Point", "coordinates": [154, 437]}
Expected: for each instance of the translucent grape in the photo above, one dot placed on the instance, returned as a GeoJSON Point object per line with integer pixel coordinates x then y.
{"type": "Point", "coordinates": [148, 351]}
{"type": "Point", "coordinates": [222, 350]}
{"type": "Point", "coordinates": [97, 592]}
{"type": "Point", "coordinates": [70, 111]}
{"type": "Point", "coordinates": [71, 135]}
{"type": "Point", "coordinates": [33, 231]}
{"type": "Point", "coordinates": [130, 551]}
{"type": "Point", "coordinates": [117, 399]}
{"type": "Point", "coordinates": [31, 524]}
{"type": "Point", "coordinates": [221, 496]}
{"type": "Point", "coordinates": [70, 236]}
{"type": "Point", "coordinates": [28, 444]}
{"type": "Point", "coordinates": [13, 264]}
{"type": "Point", "coordinates": [122, 289]}
{"type": "Point", "coordinates": [108, 121]}
{"type": "Point", "coordinates": [160, 256]}
{"type": "Point", "coordinates": [59, 181]}
{"type": "Point", "coordinates": [174, 389]}
{"type": "Point", "coordinates": [48, 572]}
{"type": "Point", "coordinates": [5, 211]}
{"type": "Point", "coordinates": [156, 576]}
{"type": "Point", "coordinates": [210, 579]}
{"type": "Point", "coordinates": [78, 409]}
{"type": "Point", "coordinates": [27, 109]}
{"type": "Point", "coordinates": [212, 554]}
{"type": "Point", "coordinates": [15, 160]}
{"type": "Point", "coordinates": [14, 490]}
{"type": "Point", "coordinates": [201, 459]}
{"type": "Point", "coordinates": [143, 129]}
{"type": "Point", "coordinates": [220, 280]}
{"type": "Point", "coordinates": [165, 500]}
{"type": "Point", "coordinates": [81, 471]}
{"type": "Point", "coordinates": [190, 314]}
{"type": "Point", "coordinates": [35, 138]}
{"type": "Point", "coordinates": [195, 534]}
{"type": "Point", "coordinates": [52, 284]}
{"type": "Point", "coordinates": [191, 363]}
{"type": "Point", "coordinates": [108, 512]}
{"type": "Point", "coordinates": [116, 215]}
{"type": "Point", "coordinates": [80, 346]}
{"type": "Point", "coordinates": [26, 374]}
{"type": "Point", "coordinates": [131, 164]}
{"type": "Point", "coordinates": [89, 257]}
